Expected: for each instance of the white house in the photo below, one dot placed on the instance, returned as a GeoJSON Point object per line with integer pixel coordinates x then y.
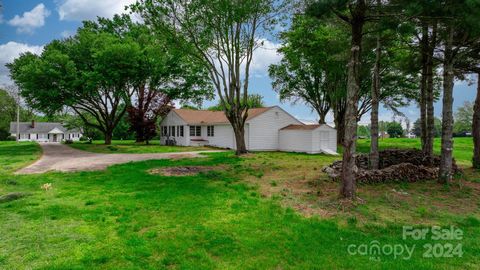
{"type": "Point", "coordinates": [43, 132]}
{"type": "Point", "coordinates": [266, 129]}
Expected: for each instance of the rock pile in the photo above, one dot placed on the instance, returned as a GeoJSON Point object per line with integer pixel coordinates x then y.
{"type": "Point", "coordinates": [396, 165]}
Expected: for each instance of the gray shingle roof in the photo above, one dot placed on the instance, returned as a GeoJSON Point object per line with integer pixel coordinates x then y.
{"type": "Point", "coordinates": [40, 127]}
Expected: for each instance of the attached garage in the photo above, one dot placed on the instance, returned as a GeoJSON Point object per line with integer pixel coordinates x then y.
{"type": "Point", "coordinates": [310, 139]}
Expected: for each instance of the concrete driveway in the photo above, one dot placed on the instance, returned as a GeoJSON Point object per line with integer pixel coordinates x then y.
{"type": "Point", "coordinates": [60, 157]}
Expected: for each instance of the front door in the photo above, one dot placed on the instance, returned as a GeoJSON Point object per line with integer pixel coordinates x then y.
{"type": "Point", "coordinates": [54, 137]}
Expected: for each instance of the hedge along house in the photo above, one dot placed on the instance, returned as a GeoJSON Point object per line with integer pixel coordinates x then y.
{"type": "Point", "coordinates": [266, 129]}
{"type": "Point", "coordinates": [43, 132]}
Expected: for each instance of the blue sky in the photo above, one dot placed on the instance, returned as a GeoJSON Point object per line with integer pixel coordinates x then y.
{"type": "Point", "coordinates": [27, 25]}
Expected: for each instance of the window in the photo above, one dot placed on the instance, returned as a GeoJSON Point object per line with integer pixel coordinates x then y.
{"type": "Point", "coordinates": [180, 131]}
{"type": "Point", "coordinates": [195, 131]}
{"type": "Point", "coordinates": [172, 131]}
{"type": "Point", "coordinates": [210, 131]}
{"type": "Point", "coordinates": [165, 131]}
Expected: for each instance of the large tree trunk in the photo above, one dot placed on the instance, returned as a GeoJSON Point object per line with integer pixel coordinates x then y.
{"type": "Point", "coordinates": [240, 141]}
{"type": "Point", "coordinates": [353, 86]}
{"type": "Point", "coordinates": [430, 128]}
{"type": "Point", "coordinates": [340, 126]}
{"type": "Point", "coordinates": [108, 137]}
{"type": "Point", "coordinates": [237, 120]}
{"type": "Point", "coordinates": [476, 128]}
{"type": "Point", "coordinates": [423, 87]}
{"type": "Point", "coordinates": [445, 174]}
{"type": "Point", "coordinates": [374, 159]}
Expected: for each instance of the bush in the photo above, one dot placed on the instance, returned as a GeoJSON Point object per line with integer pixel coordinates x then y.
{"type": "Point", "coordinates": [11, 138]}
{"type": "Point", "coordinates": [68, 141]}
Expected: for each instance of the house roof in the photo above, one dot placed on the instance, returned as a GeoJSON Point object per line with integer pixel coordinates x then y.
{"type": "Point", "coordinates": [304, 127]}
{"type": "Point", "coordinates": [212, 117]}
{"type": "Point", "coordinates": [40, 127]}
{"type": "Point", "coordinates": [300, 127]}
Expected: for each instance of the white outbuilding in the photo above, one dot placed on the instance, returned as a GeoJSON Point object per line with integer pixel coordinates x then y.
{"type": "Point", "coordinates": [310, 139]}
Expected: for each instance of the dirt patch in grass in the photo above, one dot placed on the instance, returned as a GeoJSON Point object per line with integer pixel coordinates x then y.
{"type": "Point", "coordinates": [183, 170]}
{"type": "Point", "coordinates": [12, 196]}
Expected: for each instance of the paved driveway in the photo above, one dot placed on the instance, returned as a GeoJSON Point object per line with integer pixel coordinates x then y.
{"type": "Point", "coordinates": [59, 157]}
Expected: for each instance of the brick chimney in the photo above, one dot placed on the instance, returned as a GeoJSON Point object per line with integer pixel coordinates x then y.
{"type": "Point", "coordinates": [33, 123]}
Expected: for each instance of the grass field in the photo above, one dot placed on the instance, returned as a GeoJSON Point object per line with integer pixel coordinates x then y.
{"type": "Point", "coordinates": [462, 150]}
{"type": "Point", "coordinates": [260, 211]}
{"type": "Point", "coordinates": [129, 146]}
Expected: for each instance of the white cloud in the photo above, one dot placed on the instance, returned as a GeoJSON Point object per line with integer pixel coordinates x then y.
{"type": "Point", "coordinates": [263, 57]}
{"type": "Point", "coordinates": [67, 33]}
{"type": "Point", "coordinates": [78, 10]}
{"type": "Point", "coordinates": [10, 51]}
{"type": "Point", "coordinates": [30, 20]}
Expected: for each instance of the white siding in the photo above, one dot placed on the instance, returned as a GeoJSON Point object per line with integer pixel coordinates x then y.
{"type": "Point", "coordinates": [328, 138]}
{"type": "Point", "coordinates": [172, 119]}
{"type": "Point", "coordinates": [309, 141]}
{"type": "Point", "coordinates": [296, 141]}
{"type": "Point", "coordinates": [264, 129]}
{"type": "Point", "coordinates": [223, 137]}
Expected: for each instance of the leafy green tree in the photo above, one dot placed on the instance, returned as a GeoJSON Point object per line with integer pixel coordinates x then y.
{"type": "Point", "coordinates": [107, 67]}
{"type": "Point", "coordinates": [253, 101]}
{"type": "Point", "coordinates": [437, 131]}
{"type": "Point", "coordinates": [463, 118]}
{"type": "Point", "coordinates": [90, 73]}
{"type": "Point", "coordinates": [222, 35]}
{"type": "Point", "coordinates": [190, 107]}
{"type": "Point", "coordinates": [355, 15]}
{"type": "Point", "coordinates": [313, 63]}
{"type": "Point", "coordinates": [8, 113]}
{"type": "Point", "coordinates": [394, 130]}
{"type": "Point", "coordinates": [164, 74]}
{"type": "Point", "coordinates": [363, 131]}
{"type": "Point", "coordinates": [460, 37]}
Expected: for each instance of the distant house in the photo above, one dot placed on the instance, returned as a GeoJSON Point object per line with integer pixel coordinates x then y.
{"type": "Point", "coordinates": [266, 129]}
{"type": "Point", "coordinates": [411, 135]}
{"type": "Point", "coordinates": [43, 132]}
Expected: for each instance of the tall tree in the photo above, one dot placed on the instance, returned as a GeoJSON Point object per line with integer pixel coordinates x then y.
{"type": "Point", "coordinates": [164, 74]}
{"type": "Point", "coordinates": [222, 35]}
{"type": "Point", "coordinates": [354, 13]}
{"type": "Point", "coordinates": [253, 101]}
{"type": "Point", "coordinates": [463, 118]}
{"type": "Point", "coordinates": [476, 127]}
{"type": "Point", "coordinates": [461, 36]}
{"type": "Point", "coordinates": [374, 155]}
{"type": "Point", "coordinates": [91, 73]}
{"type": "Point", "coordinates": [312, 66]}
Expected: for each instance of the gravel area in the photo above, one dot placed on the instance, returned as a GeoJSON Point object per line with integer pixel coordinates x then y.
{"type": "Point", "coordinates": [60, 157]}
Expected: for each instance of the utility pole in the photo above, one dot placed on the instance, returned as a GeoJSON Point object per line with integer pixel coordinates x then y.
{"type": "Point", "coordinates": [14, 92]}
{"type": "Point", "coordinates": [18, 120]}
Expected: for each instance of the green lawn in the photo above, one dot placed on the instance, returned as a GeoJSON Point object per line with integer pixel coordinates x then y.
{"type": "Point", "coordinates": [261, 211]}
{"type": "Point", "coordinates": [129, 146]}
{"type": "Point", "coordinates": [462, 147]}
{"type": "Point", "coordinates": [14, 156]}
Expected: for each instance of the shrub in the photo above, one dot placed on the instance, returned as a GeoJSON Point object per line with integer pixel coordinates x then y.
{"type": "Point", "coordinates": [68, 141]}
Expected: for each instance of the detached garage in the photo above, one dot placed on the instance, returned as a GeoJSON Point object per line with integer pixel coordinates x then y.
{"type": "Point", "coordinates": [310, 139]}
